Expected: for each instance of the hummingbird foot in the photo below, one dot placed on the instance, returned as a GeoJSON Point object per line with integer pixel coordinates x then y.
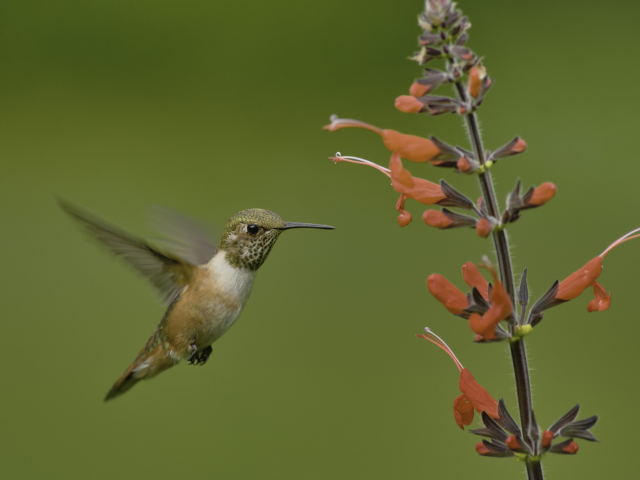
{"type": "Point", "coordinates": [199, 357]}
{"type": "Point", "coordinates": [204, 355]}
{"type": "Point", "coordinates": [194, 359]}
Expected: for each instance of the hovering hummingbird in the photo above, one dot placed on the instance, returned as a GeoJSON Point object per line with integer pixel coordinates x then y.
{"type": "Point", "coordinates": [205, 288]}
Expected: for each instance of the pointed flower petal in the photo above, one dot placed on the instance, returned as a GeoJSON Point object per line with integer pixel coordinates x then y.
{"type": "Point", "coordinates": [448, 295]}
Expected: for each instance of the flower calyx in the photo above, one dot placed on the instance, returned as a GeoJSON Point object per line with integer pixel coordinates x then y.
{"type": "Point", "coordinates": [431, 80]}
{"type": "Point", "coordinates": [514, 147]}
{"type": "Point", "coordinates": [567, 426]}
{"type": "Point", "coordinates": [505, 436]}
{"type": "Point", "coordinates": [534, 197]}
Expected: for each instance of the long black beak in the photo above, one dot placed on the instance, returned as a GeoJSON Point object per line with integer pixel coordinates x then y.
{"type": "Point", "coordinates": [288, 225]}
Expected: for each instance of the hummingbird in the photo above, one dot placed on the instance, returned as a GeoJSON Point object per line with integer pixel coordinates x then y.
{"type": "Point", "coordinates": [205, 288]}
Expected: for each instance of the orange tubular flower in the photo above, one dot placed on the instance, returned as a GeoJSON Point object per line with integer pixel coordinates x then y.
{"type": "Point", "coordinates": [474, 278]}
{"type": "Point", "coordinates": [463, 164]}
{"type": "Point", "coordinates": [547, 438]}
{"type": "Point", "coordinates": [419, 189]}
{"type": "Point", "coordinates": [473, 397]}
{"type": "Point", "coordinates": [409, 104]}
{"type": "Point", "coordinates": [436, 219]}
{"type": "Point", "coordinates": [501, 308]}
{"type": "Point", "coordinates": [586, 277]}
{"type": "Point", "coordinates": [408, 186]}
{"type": "Point", "coordinates": [453, 299]}
{"type": "Point", "coordinates": [411, 147]}
{"type": "Point", "coordinates": [482, 449]}
{"type": "Point", "coordinates": [571, 448]}
{"type": "Point", "coordinates": [543, 194]}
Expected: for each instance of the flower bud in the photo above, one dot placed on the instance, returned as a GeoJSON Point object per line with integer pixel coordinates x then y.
{"type": "Point", "coordinates": [436, 219]}
{"type": "Point", "coordinates": [513, 443]}
{"type": "Point", "coordinates": [547, 438]}
{"type": "Point", "coordinates": [464, 165]}
{"type": "Point", "coordinates": [571, 448]}
{"type": "Point", "coordinates": [483, 228]}
{"type": "Point", "coordinates": [542, 194]}
{"type": "Point", "coordinates": [515, 146]}
{"type": "Point", "coordinates": [481, 449]}
{"type": "Point", "coordinates": [475, 81]}
{"type": "Point", "coordinates": [409, 104]}
{"type": "Point", "coordinates": [418, 90]}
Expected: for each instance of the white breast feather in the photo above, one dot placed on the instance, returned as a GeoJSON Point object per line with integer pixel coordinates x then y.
{"type": "Point", "coordinates": [235, 284]}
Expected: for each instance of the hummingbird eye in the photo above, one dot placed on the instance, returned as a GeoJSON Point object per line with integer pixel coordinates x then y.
{"type": "Point", "coordinates": [253, 229]}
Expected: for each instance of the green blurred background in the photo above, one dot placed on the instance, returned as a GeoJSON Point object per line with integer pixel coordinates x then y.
{"type": "Point", "coordinates": [213, 107]}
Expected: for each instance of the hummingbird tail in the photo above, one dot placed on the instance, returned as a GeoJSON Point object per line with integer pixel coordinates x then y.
{"type": "Point", "coordinates": [147, 365]}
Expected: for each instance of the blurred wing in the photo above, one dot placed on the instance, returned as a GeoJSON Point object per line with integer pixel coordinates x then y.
{"type": "Point", "coordinates": [168, 275]}
{"type": "Point", "coordinates": [183, 237]}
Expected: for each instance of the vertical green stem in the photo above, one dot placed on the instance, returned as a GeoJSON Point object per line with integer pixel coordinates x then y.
{"type": "Point", "coordinates": [534, 470]}
{"type": "Point", "coordinates": [518, 352]}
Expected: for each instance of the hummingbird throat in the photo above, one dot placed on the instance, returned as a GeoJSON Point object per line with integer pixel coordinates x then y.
{"type": "Point", "coordinates": [250, 253]}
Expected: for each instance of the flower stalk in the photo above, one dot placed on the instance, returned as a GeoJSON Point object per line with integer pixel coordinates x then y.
{"type": "Point", "coordinates": [497, 311]}
{"type": "Point", "coordinates": [517, 347]}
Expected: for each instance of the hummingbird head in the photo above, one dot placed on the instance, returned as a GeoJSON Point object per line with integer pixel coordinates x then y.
{"type": "Point", "coordinates": [250, 235]}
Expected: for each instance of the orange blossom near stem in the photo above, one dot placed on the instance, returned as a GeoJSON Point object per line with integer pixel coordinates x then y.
{"type": "Point", "coordinates": [474, 278]}
{"type": "Point", "coordinates": [453, 299]}
{"type": "Point", "coordinates": [411, 147]}
{"type": "Point", "coordinates": [501, 308]}
{"type": "Point", "coordinates": [585, 277]}
{"type": "Point", "coordinates": [473, 397]}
